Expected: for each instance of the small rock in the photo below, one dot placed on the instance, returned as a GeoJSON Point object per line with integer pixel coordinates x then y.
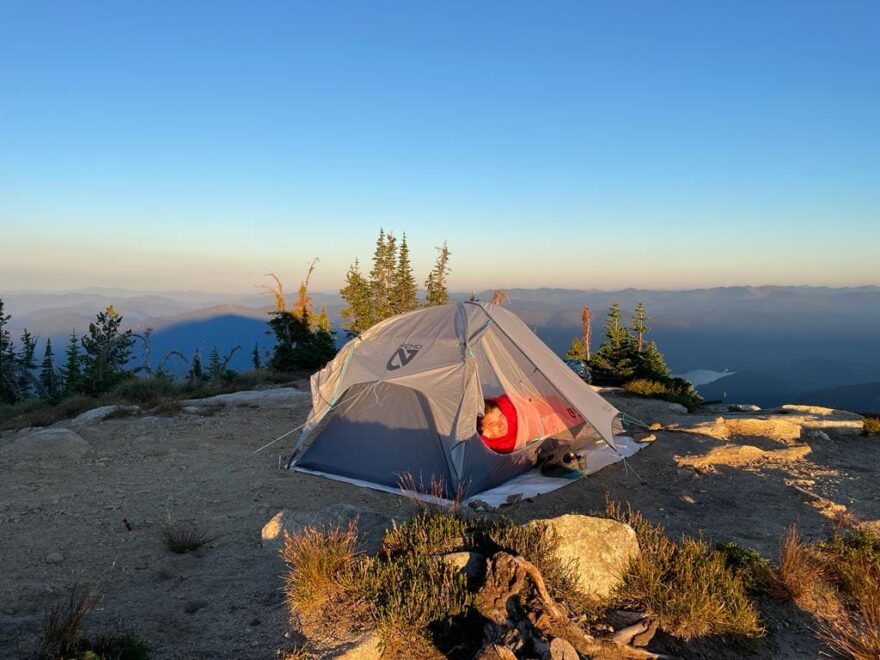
{"type": "Point", "coordinates": [814, 434]}
{"type": "Point", "coordinates": [656, 426]}
{"type": "Point", "coordinates": [366, 647]}
{"type": "Point", "coordinates": [743, 407]}
{"type": "Point", "coordinates": [471, 564]}
{"type": "Point", "coordinates": [561, 649]}
{"type": "Point", "coordinates": [193, 606]}
{"type": "Point", "coordinates": [54, 558]}
{"type": "Point", "coordinates": [644, 437]}
{"type": "Point", "coordinates": [687, 499]}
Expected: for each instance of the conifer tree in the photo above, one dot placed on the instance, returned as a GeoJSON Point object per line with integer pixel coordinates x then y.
{"type": "Point", "coordinates": [72, 369]}
{"type": "Point", "coordinates": [576, 350]}
{"type": "Point", "coordinates": [7, 360]}
{"type": "Point", "coordinates": [651, 365]}
{"type": "Point", "coordinates": [639, 326]}
{"type": "Point", "coordinates": [382, 276]}
{"type": "Point", "coordinates": [25, 363]}
{"type": "Point", "coordinates": [107, 352]}
{"type": "Point", "coordinates": [215, 365]}
{"type": "Point", "coordinates": [436, 292]}
{"type": "Point", "coordinates": [613, 362]}
{"type": "Point", "coordinates": [48, 375]}
{"type": "Point", "coordinates": [255, 357]}
{"type": "Point", "coordinates": [404, 296]}
{"type": "Point", "coordinates": [358, 316]}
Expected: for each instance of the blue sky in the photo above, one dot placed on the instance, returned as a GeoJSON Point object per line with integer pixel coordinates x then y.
{"type": "Point", "coordinates": [650, 144]}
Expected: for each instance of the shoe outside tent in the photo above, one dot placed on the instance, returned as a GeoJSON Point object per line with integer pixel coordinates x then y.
{"type": "Point", "coordinates": [399, 405]}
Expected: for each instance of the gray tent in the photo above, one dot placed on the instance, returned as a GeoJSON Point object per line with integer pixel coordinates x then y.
{"type": "Point", "coordinates": [401, 402]}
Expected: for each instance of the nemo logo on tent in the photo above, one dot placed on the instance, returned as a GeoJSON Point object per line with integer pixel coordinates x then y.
{"type": "Point", "coordinates": [403, 356]}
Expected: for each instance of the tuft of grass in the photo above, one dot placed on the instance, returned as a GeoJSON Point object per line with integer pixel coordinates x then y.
{"type": "Point", "coordinates": [63, 621]}
{"type": "Point", "coordinates": [800, 575]}
{"type": "Point", "coordinates": [318, 560]}
{"type": "Point", "coordinates": [872, 426]}
{"type": "Point", "coordinates": [686, 585]}
{"type": "Point", "coordinates": [145, 392]}
{"type": "Point", "coordinates": [852, 561]}
{"type": "Point", "coordinates": [181, 538]}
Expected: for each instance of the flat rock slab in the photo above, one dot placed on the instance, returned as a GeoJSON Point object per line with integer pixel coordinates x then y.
{"type": "Point", "coordinates": [735, 455]}
{"type": "Point", "coordinates": [274, 398]}
{"type": "Point", "coordinates": [48, 445]}
{"type": "Point", "coordinates": [600, 550]}
{"type": "Point", "coordinates": [96, 415]}
{"type": "Point", "coordinates": [371, 525]}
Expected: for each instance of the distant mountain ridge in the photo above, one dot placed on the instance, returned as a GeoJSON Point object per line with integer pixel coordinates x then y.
{"type": "Point", "coordinates": [770, 336]}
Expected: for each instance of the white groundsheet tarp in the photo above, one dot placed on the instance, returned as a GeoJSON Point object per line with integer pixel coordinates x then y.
{"type": "Point", "coordinates": [533, 483]}
{"type": "Point", "coordinates": [527, 485]}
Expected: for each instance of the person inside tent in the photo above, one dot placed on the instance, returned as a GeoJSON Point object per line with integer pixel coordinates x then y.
{"type": "Point", "coordinates": [498, 424]}
{"type": "Point", "coordinates": [505, 427]}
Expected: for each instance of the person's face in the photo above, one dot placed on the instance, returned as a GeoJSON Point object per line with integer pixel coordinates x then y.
{"type": "Point", "coordinates": [494, 424]}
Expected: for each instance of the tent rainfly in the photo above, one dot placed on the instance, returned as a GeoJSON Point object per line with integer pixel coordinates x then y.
{"type": "Point", "coordinates": [400, 403]}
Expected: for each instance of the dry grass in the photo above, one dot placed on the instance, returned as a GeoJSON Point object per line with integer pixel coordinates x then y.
{"type": "Point", "coordinates": [645, 387]}
{"type": "Point", "coordinates": [318, 560]}
{"type": "Point", "coordinates": [181, 538]}
{"type": "Point", "coordinates": [61, 631]}
{"type": "Point", "coordinates": [689, 587]}
{"type": "Point", "coordinates": [800, 575]}
{"type": "Point", "coordinates": [853, 565]}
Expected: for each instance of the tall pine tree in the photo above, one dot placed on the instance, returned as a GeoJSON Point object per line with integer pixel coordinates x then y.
{"type": "Point", "coordinates": [436, 292]}
{"type": "Point", "coordinates": [108, 350]}
{"type": "Point", "coordinates": [48, 374]}
{"type": "Point", "coordinates": [382, 276]}
{"type": "Point", "coordinates": [7, 360]}
{"type": "Point", "coordinates": [25, 364]}
{"type": "Point", "coordinates": [613, 362]}
{"type": "Point", "coordinates": [404, 297]}
{"type": "Point", "coordinates": [357, 317]}
{"type": "Point", "coordinates": [72, 369]}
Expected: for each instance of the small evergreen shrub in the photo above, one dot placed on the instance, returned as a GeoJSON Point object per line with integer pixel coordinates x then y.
{"type": "Point", "coordinates": [872, 426]}
{"type": "Point", "coordinates": [427, 533]}
{"type": "Point", "coordinates": [752, 568]}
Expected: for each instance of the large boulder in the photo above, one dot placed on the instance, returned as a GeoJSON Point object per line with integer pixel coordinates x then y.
{"type": "Point", "coordinates": [371, 525]}
{"type": "Point", "coordinates": [48, 445]}
{"type": "Point", "coordinates": [96, 415]}
{"type": "Point", "coordinates": [599, 549]}
{"type": "Point", "coordinates": [278, 397]}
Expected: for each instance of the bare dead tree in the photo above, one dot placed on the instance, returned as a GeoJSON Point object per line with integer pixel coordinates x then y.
{"type": "Point", "coordinates": [586, 329]}
{"type": "Point", "coordinates": [499, 297]}
{"type": "Point", "coordinates": [277, 291]}
{"type": "Point", "coordinates": [303, 306]}
{"type": "Point", "coordinates": [229, 355]}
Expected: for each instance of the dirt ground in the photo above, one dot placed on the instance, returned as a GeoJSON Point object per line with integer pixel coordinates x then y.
{"type": "Point", "coordinates": [224, 601]}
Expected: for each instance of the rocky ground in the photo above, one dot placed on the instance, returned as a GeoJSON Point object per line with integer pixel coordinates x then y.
{"type": "Point", "coordinates": [730, 476]}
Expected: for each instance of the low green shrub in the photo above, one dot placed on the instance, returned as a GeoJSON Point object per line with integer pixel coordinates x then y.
{"type": "Point", "coordinates": [749, 564]}
{"type": "Point", "coordinates": [872, 426]}
{"type": "Point", "coordinates": [145, 392]}
{"type": "Point", "coordinates": [645, 387]}
{"type": "Point", "coordinates": [427, 533]}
